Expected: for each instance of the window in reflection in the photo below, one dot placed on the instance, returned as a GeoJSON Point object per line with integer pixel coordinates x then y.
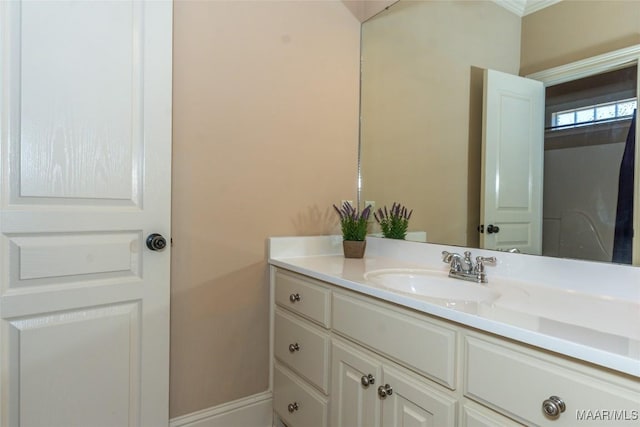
{"type": "Point", "coordinates": [594, 114]}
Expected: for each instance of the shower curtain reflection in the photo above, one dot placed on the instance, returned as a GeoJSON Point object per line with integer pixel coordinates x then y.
{"type": "Point", "coordinates": [623, 237]}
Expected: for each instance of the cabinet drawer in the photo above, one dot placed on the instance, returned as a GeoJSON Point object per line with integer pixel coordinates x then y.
{"type": "Point", "coordinates": [474, 415]}
{"type": "Point", "coordinates": [516, 380]}
{"type": "Point", "coordinates": [303, 348]}
{"type": "Point", "coordinates": [304, 297]}
{"type": "Point", "coordinates": [308, 408]}
{"type": "Point", "coordinates": [424, 345]}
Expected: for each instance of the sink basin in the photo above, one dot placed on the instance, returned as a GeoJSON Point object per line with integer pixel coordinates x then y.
{"type": "Point", "coordinates": [431, 284]}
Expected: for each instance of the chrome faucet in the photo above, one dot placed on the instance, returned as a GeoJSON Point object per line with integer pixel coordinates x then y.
{"type": "Point", "coordinates": [464, 268]}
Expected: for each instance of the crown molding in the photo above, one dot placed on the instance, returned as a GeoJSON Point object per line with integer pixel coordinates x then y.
{"type": "Point", "coordinates": [525, 7]}
{"type": "Point", "coordinates": [590, 66]}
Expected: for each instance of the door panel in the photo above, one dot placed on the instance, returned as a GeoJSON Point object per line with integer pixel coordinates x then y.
{"type": "Point", "coordinates": [96, 381]}
{"type": "Point", "coordinates": [512, 152]}
{"type": "Point", "coordinates": [83, 148]}
{"type": "Point", "coordinates": [85, 174]}
{"type": "Point", "coordinates": [414, 403]}
{"type": "Point", "coordinates": [352, 404]}
{"type": "Point", "coordinates": [65, 258]}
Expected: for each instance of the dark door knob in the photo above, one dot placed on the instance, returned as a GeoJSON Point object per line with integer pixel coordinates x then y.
{"type": "Point", "coordinates": [156, 242]}
{"type": "Point", "coordinates": [492, 229]}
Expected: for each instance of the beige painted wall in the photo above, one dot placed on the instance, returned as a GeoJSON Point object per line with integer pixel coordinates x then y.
{"type": "Point", "coordinates": [422, 108]}
{"type": "Point", "coordinates": [572, 30]}
{"type": "Point", "coordinates": [265, 140]}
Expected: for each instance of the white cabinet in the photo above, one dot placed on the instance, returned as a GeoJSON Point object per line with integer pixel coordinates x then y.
{"type": "Point", "coordinates": [520, 381]}
{"type": "Point", "coordinates": [344, 359]}
{"type": "Point", "coordinates": [369, 391]}
{"type": "Point", "coordinates": [355, 377]}
{"type": "Point", "coordinates": [423, 344]}
{"type": "Point", "coordinates": [301, 350]}
{"type": "Point", "coordinates": [295, 402]}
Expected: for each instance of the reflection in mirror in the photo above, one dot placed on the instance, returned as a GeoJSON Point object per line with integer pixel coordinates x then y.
{"type": "Point", "coordinates": [421, 126]}
{"type": "Point", "coordinates": [588, 127]}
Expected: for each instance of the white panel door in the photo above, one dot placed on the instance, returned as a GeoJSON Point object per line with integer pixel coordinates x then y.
{"type": "Point", "coordinates": [512, 162]}
{"type": "Point", "coordinates": [85, 149]}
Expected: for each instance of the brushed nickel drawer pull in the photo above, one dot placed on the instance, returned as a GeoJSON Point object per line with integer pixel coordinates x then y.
{"type": "Point", "coordinates": [367, 380]}
{"type": "Point", "coordinates": [294, 298]}
{"type": "Point", "coordinates": [384, 391]}
{"type": "Point", "coordinates": [553, 407]}
{"type": "Point", "coordinates": [294, 347]}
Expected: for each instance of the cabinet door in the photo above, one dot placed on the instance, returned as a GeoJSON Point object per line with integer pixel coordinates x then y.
{"type": "Point", "coordinates": [352, 403]}
{"type": "Point", "coordinates": [415, 403]}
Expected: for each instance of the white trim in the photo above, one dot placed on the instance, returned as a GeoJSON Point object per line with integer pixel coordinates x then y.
{"type": "Point", "coordinates": [536, 5]}
{"type": "Point", "coordinates": [588, 67]}
{"type": "Point", "coordinates": [251, 411]}
{"type": "Point", "coordinates": [515, 6]}
{"type": "Point", "coordinates": [525, 7]}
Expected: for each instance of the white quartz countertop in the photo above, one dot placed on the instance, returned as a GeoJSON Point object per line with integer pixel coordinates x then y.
{"type": "Point", "coordinates": [600, 327]}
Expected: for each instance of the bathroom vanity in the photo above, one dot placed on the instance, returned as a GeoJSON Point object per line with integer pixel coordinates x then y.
{"type": "Point", "coordinates": [379, 341]}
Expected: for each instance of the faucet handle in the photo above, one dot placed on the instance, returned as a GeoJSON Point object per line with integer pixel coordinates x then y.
{"type": "Point", "coordinates": [481, 261]}
{"type": "Point", "coordinates": [453, 259]}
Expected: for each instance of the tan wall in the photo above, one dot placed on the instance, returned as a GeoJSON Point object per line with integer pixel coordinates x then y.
{"type": "Point", "coordinates": [572, 30]}
{"type": "Point", "coordinates": [422, 108]}
{"type": "Point", "coordinates": [265, 140]}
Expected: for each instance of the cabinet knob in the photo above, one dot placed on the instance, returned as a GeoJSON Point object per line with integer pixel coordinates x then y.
{"type": "Point", "coordinates": [292, 407]}
{"type": "Point", "coordinates": [294, 347]}
{"type": "Point", "coordinates": [384, 391]}
{"type": "Point", "coordinates": [367, 380]}
{"type": "Point", "coordinates": [553, 407]}
{"type": "Point", "coordinates": [294, 297]}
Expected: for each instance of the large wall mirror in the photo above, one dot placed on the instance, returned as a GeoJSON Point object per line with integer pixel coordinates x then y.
{"type": "Point", "coordinates": [423, 64]}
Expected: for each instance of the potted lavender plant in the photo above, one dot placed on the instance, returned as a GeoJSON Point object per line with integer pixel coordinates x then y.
{"type": "Point", "coordinates": [354, 229]}
{"type": "Point", "coordinates": [393, 222]}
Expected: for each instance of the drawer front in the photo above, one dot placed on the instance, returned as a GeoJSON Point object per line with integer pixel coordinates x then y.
{"type": "Point", "coordinates": [516, 380]}
{"type": "Point", "coordinates": [474, 415]}
{"type": "Point", "coordinates": [308, 408]}
{"type": "Point", "coordinates": [303, 297]}
{"type": "Point", "coordinates": [423, 345]}
{"type": "Point", "coordinates": [303, 348]}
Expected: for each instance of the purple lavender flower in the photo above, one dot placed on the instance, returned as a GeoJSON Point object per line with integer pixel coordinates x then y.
{"type": "Point", "coordinates": [393, 222]}
{"type": "Point", "coordinates": [352, 222]}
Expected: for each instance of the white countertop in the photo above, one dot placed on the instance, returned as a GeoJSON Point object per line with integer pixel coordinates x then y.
{"type": "Point", "coordinates": [589, 311]}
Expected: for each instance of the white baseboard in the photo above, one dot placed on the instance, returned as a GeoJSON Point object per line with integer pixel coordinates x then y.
{"type": "Point", "coordinates": [251, 411]}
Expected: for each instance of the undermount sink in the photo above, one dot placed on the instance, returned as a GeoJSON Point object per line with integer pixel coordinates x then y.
{"type": "Point", "coordinates": [430, 284]}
